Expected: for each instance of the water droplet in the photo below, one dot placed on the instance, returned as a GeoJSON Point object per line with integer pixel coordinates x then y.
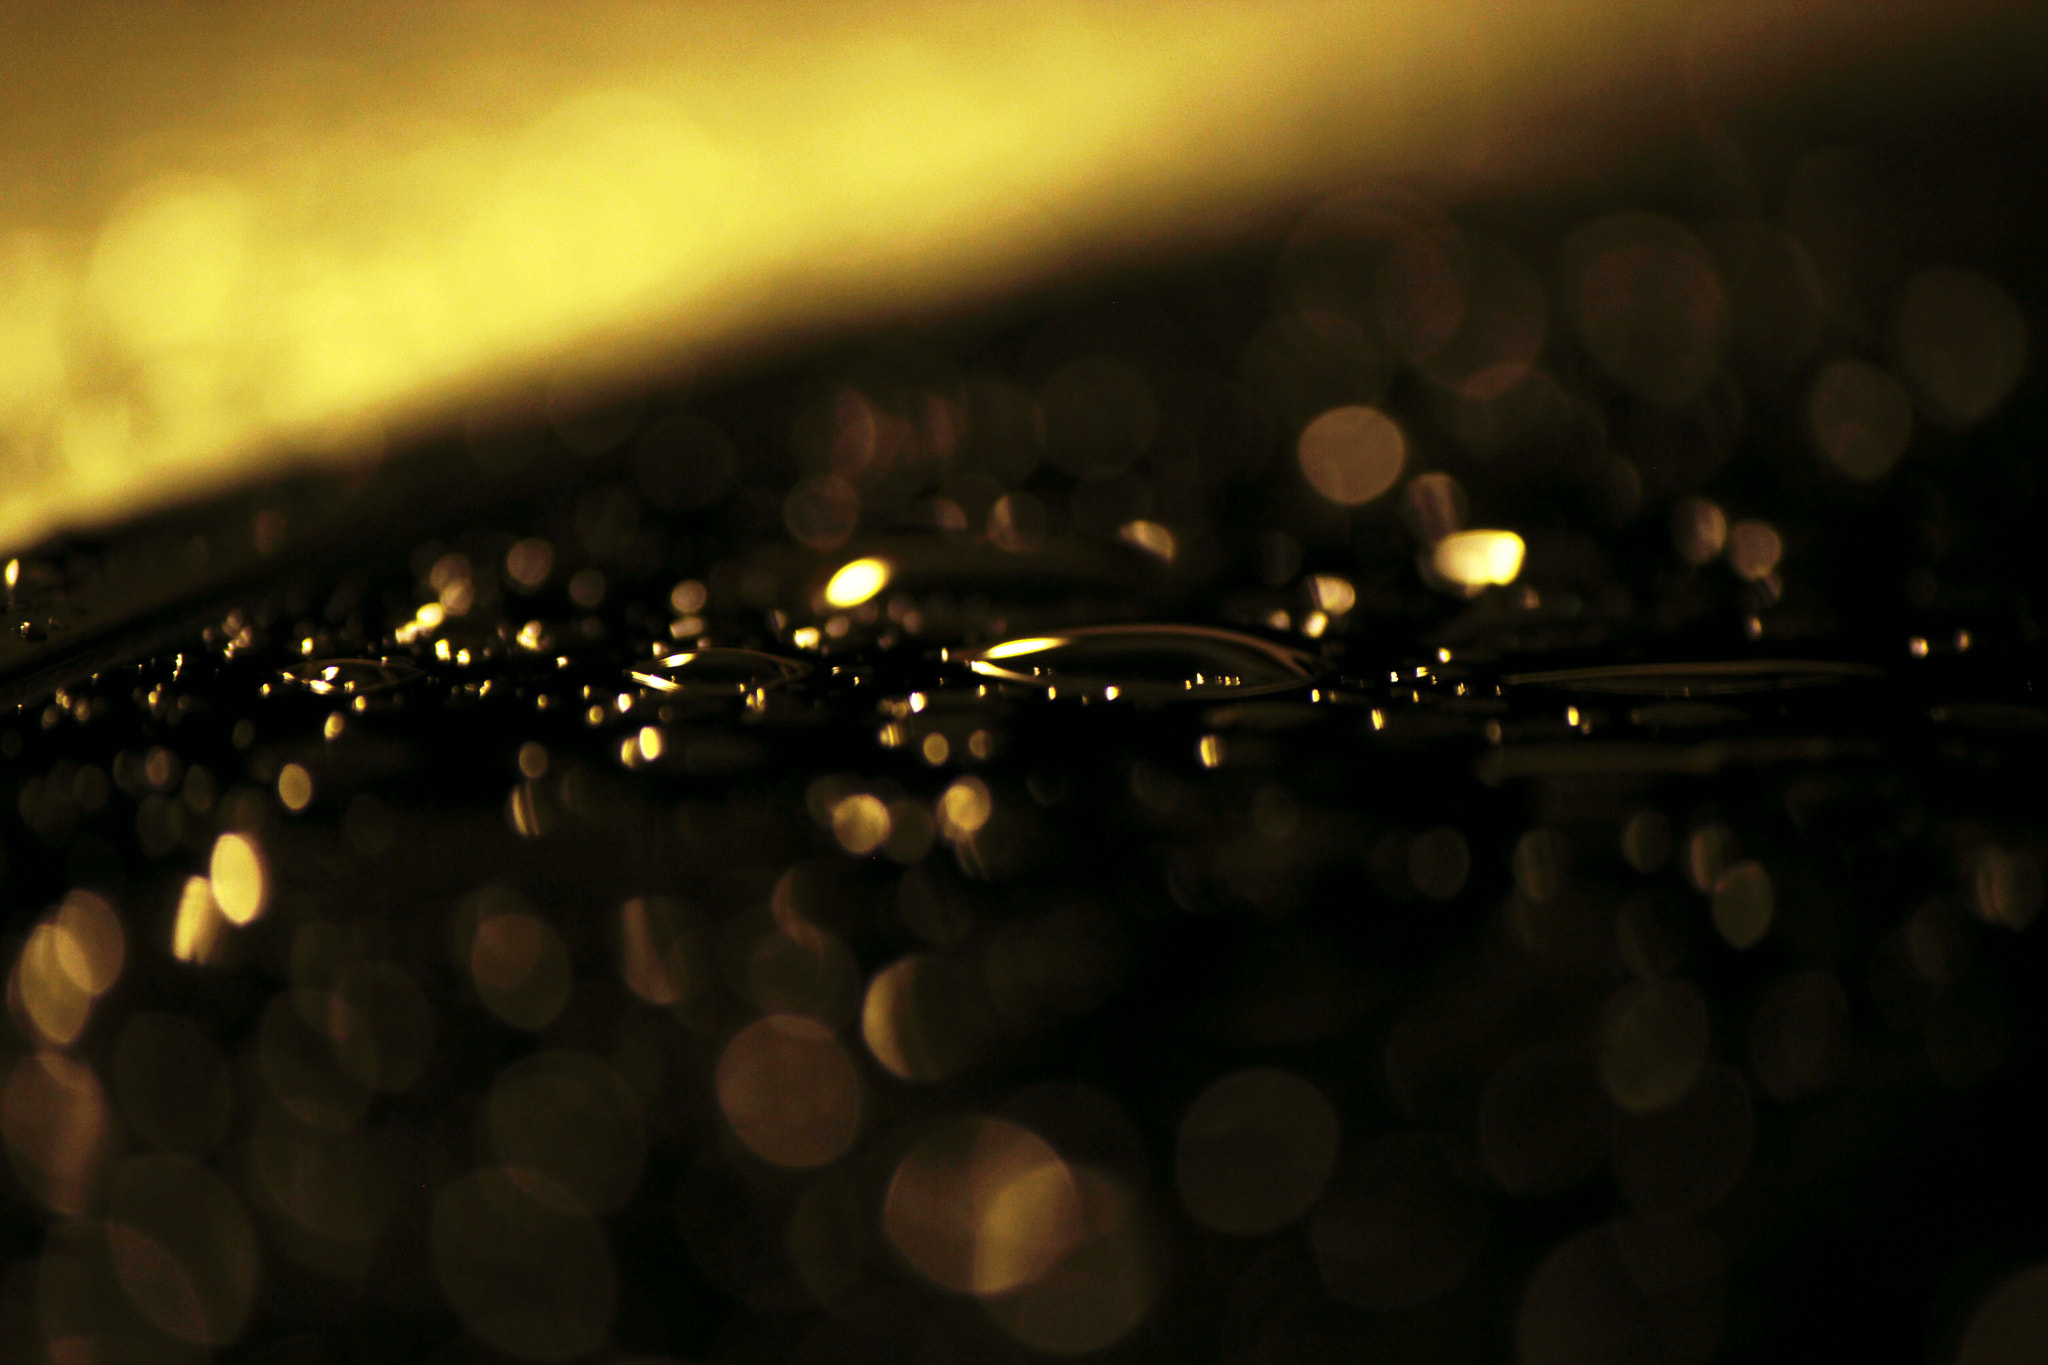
{"type": "Point", "coordinates": [1150, 662]}
{"type": "Point", "coordinates": [719, 672]}
{"type": "Point", "coordinates": [351, 677]}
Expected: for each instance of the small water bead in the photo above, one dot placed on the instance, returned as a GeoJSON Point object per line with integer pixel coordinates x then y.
{"type": "Point", "coordinates": [719, 672]}
{"type": "Point", "coordinates": [351, 677]}
{"type": "Point", "coordinates": [1146, 663]}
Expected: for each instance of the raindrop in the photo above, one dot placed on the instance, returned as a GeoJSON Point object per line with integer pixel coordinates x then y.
{"type": "Point", "coordinates": [719, 672]}
{"type": "Point", "coordinates": [1146, 663]}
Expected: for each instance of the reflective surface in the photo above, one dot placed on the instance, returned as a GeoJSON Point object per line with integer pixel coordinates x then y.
{"type": "Point", "coordinates": [1446, 789]}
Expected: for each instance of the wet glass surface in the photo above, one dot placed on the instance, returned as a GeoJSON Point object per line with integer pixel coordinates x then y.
{"type": "Point", "coordinates": [1434, 790]}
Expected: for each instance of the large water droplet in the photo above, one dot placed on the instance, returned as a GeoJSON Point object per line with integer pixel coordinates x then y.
{"type": "Point", "coordinates": [719, 672]}
{"type": "Point", "coordinates": [1147, 662]}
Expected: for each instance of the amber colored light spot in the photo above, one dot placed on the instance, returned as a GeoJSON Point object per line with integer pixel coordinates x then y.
{"type": "Point", "coordinates": [860, 823]}
{"type": "Point", "coordinates": [295, 787]}
{"type": "Point", "coordinates": [1474, 560]}
{"type": "Point", "coordinates": [789, 1091]}
{"type": "Point", "coordinates": [241, 882]}
{"type": "Point", "coordinates": [1255, 1149]}
{"type": "Point", "coordinates": [1352, 454]}
{"type": "Point", "coordinates": [856, 582]}
{"type": "Point", "coordinates": [964, 808]}
{"type": "Point", "coordinates": [982, 1206]}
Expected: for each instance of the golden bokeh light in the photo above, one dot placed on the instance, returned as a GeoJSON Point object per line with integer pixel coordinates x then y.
{"type": "Point", "coordinates": [1861, 418]}
{"type": "Point", "coordinates": [294, 787]}
{"type": "Point", "coordinates": [1151, 537]}
{"type": "Point", "coordinates": [855, 582]}
{"type": "Point", "coordinates": [1699, 530]}
{"type": "Point", "coordinates": [520, 969]}
{"type": "Point", "coordinates": [919, 1017]}
{"type": "Point", "coordinates": [522, 1269]}
{"type": "Point", "coordinates": [568, 1117]}
{"type": "Point", "coordinates": [1331, 593]}
{"type": "Point", "coordinates": [1754, 549]}
{"type": "Point", "coordinates": [1352, 454]}
{"type": "Point", "coordinates": [183, 1248]}
{"type": "Point", "coordinates": [1654, 1042]}
{"type": "Point", "coordinates": [197, 923]}
{"type": "Point", "coordinates": [240, 877]}
{"type": "Point", "coordinates": [860, 823]}
{"type": "Point", "coordinates": [1101, 1288]}
{"type": "Point", "coordinates": [1254, 1151]}
{"type": "Point", "coordinates": [1743, 904]}
{"type": "Point", "coordinates": [790, 1091]}
{"type": "Point", "coordinates": [983, 1206]}
{"type": "Point", "coordinates": [54, 1117]}
{"type": "Point", "coordinates": [1472, 561]}
{"type": "Point", "coordinates": [964, 807]}
{"type": "Point", "coordinates": [661, 950]}
{"type": "Point", "coordinates": [1962, 341]}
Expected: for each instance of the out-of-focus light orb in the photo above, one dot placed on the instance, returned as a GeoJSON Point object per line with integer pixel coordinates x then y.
{"type": "Point", "coordinates": [789, 1091]}
{"type": "Point", "coordinates": [860, 822]}
{"type": "Point", "coordinates": [1352, 454]}
{"type": "Point", "coordinates": [195, 928]}
{"type": "Point", "coordinates": [241, 881]}
{"type": "Point", "coordinates": [1475, 560]}
{"type": "Point", "coordinates": [1699, 530]}
{"type": "Point", "coordinates": [1861, 418]}
{"type": "Point", "coordinates": [54, 1118]}
{"type": "Point", "coordinates": [1743, 904]}
{"type": "Point", "coordinates": [1754, 549]}
{"type": "Point", "coordinates": [1332, 594]}
{"type": "Point", "coordinates": [529, 562]}
{"type": "Point", "coordinates": [1101, 1289]}
{"type": "Point", "coordinates": [856, 582]}
{"type": "Point", "coordinates": [2011, 1325]}
{"type": "Point", "coordinates": [520, 969]}
{"type": "Point", "coordinates": [295, 787]}
{"type": "Point", "coordinates": [917, 1018]}
{"type": "Point", "coordinates": [1151, 537]}
{"type": "Point", "coordinates": [821, 511]}
{"type": "Point", "coordinates": [964, 808]}
{"type": "Point", "coordinates": [1254, 1151]}
{"type": "Point", "coordinates": [1654, 1041]}
{"type": "Point", "coordinates": [982, 1206]}
{"type": "Point", "coordinates": [90, 945]}
{"type": "Point", "coordinates": [658, 942]}
{"type": "Point", "coordinates": [1962, 341]}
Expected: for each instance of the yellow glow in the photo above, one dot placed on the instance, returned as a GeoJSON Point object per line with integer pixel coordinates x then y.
{"type": "Point", "coordinates": [241, 882]}
{"type": "Point", "coordinates": [340, 233]}
{"type": "Point", "coordinates": [195, 933]}
{"type": "Point", "coordinates": [860, 823]}
{"type": "Point", "coordinates": [1351, 455]}
{"type": "Point", "coordinates": [1209, 751]}
{"type": "Point", "coordinates": [1150, 537]}
{"type": "Point", "coordinates": [856, 582]}
{"type": "Point", "coordinates": [1478, 559]}
{"type": "Point", "coordinates": [982, 1207]}
{"type": "Point", "coordinates": [1011, 649]}
{"type": "Point", "coordinates": [964, 808]}
{"type": "Point", "coordinates": [295, 787]}
{"type": "Point", "coordinates": [649, 743]}
{"type": "Point", "coordinates": [1332, 594]}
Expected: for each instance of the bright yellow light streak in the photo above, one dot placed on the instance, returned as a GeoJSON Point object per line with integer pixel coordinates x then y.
{"type": "Point", "coordinates": [1013, 649]}
{"type": "Point", "coordinates": [342, 231]}
{"type": "Point", "coordinates": [856, 582]}
{"type": "Point", "coordinates": [1478, 559]}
